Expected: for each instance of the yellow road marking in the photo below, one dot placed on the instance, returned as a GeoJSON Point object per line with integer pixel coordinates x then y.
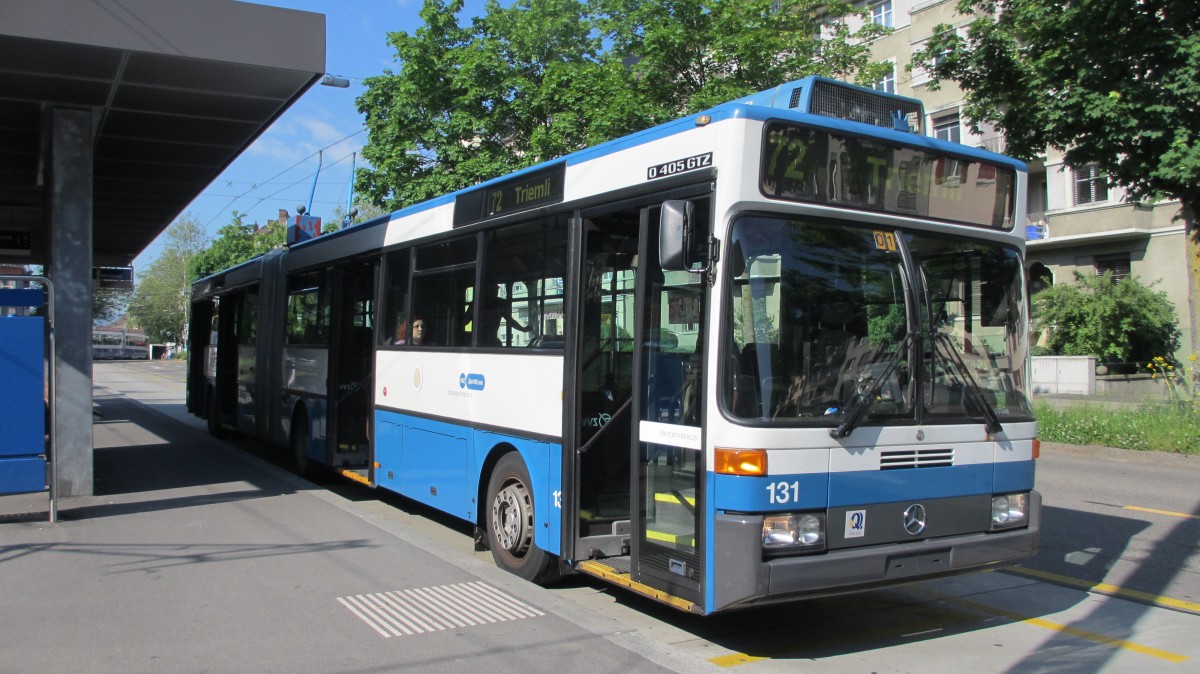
{"type": "Point", "coordinates": [1162, 512]}
{"type": "Point", "coordinates": [735, 659]}
{"type": "Point", "coordinates": [1088, 635]}
{"type": "Point", "coordinates": [1105, 588]}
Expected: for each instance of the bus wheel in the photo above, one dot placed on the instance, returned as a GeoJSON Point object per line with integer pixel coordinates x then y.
{"type": "Point", "coordinates": [510, 523]}
{"type": "Point", "coordinates": [300, 461]}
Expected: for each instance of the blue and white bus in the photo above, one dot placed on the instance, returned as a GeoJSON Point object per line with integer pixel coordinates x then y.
{"type": "Point", "coordinates": [775, 350]}
{"type": "Point", "coordinates": [117, 343]}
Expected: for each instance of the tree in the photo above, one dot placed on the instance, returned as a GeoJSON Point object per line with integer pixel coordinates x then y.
{"type": "Point", "coordinates": [108, 305]}
{"type": "Point", "coordinates": [161, 299]}
{"type": "Point", "coordinates": [542, 78]}
{"type": "Point", "coordinates": [1112, 83]}
{"type": "Point", "coordinates": [235, 243]}
{"type": "Point", "coordinates": [362, 213]}
{"type": "Point", "coordinates": [1123, 322]}
{"type": "Point", "coordinates": [693, 54]}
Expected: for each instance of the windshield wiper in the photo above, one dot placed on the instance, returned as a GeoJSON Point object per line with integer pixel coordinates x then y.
{"type": "Point", "coordinates": [976, 393]}
{"type": "Point", "coordinates": [866, 397]}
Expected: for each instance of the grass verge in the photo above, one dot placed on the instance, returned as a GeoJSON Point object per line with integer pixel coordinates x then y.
{"type": "Point", "coordinates": [1161, 428]}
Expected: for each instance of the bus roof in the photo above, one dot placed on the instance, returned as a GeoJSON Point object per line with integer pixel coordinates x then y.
{"type": "Point", "coordinates": [762, 106]}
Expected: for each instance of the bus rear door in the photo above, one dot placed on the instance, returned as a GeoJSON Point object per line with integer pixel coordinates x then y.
{"type": "Point", "coordinates": [351, 362]}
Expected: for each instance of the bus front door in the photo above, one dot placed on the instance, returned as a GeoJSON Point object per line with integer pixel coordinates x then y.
{"type": "Point", "coordinates": [637, 405]}
{"type": "Point", "coordinates": [667, 552]}
{"type": "Point", "coordinates": [604, 389]}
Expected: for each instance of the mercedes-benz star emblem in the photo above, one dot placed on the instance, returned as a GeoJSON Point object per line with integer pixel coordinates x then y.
{"type": "Point", "coordinates": [914, 519]}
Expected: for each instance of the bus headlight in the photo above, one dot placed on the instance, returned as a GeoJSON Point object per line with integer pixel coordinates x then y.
{"type": "Point", "coordinates": [793, 530]}
{"type": "Point", "coordinates": [1010, 510]}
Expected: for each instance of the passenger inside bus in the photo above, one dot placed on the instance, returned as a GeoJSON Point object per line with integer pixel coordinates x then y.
{"type": "Point", "coordinates": [496, 319]}
{"type": "Point", "coordinates": [418, 332]}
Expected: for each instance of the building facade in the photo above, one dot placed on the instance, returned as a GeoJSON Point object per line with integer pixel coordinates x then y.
{"type": "Point", "coordinates": [1076, 223]}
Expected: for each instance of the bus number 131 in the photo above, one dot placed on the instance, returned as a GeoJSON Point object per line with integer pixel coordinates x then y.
{"type": "Point", "coordinates": [784, 492]}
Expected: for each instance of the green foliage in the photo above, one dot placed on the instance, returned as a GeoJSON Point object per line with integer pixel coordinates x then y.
{"type": "Point", "coordinates": [884, 323]}
{"type": "Point", "coordinates": [1166, 428]}
{"type": "Point", "coordinates": [337, 219]}
{"type": "Point", "coordinates": [1114, 83]}
{"type": "Point", "coordinates": [160, 302]}
{"type": "Point", "coordinates": [108, 305]}
{"type": "Point", "coordinates": [235, 243]}
{"type": "Point", "coordinates": [542, 78]}
{"type": "Point", "coordinates": [1116, 322]}
{"type": "Point", "coordinates": [698, 53]}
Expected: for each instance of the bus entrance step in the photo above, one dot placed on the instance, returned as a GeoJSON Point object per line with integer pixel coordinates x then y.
{"type": "Point", "coordinates": [617, 570]}
{"type": "Point", "coordinates": [675, 507]}
{"type": "Point", "coordinates": [359, 475]}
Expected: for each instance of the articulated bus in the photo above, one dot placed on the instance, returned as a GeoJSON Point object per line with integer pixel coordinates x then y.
{"type": "Point", "coordinates": [110, 343]}
{"type": "Point", "coordinates": [775, 350]}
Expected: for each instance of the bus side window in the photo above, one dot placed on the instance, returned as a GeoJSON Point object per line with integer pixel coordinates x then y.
{"type": "Point", "coordinates": [395, 328]}
{"type": "Point", "coordinates": [444, 300]}
{"type": "Point", "coordinates": [443, 291]}
{"type": "Point", "coordinates": [523, 271]}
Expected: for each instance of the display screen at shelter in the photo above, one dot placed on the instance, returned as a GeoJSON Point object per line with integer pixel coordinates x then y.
{"type": "Point", "coordinates": [814, 165]}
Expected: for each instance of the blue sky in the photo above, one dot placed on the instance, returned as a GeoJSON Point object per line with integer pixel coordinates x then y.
{"type": "Point", "coordinates": [278, 170]}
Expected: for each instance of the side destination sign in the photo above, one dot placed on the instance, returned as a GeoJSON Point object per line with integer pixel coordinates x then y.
{"type": "Point", "coordinates": [521, 193]}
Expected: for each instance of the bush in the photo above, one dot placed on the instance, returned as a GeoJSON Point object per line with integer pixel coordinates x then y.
{"type": "Point", "coordinates": [1119, 322]}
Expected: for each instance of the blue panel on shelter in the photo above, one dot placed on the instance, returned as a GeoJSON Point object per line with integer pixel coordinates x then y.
{"type": "Point", "coordinates": [22, 297]}
{"type": "Point", "coordinates": [22, 474]}
{"type": "Point", "coordinates": [23, 393]}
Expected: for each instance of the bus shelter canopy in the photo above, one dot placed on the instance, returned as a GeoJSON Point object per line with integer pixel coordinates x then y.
{"type": "Point", "coordinates": [177, 89]}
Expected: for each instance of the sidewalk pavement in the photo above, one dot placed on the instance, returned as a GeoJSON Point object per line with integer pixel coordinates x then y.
{"type": "Point", "coordinates": [195, 556]}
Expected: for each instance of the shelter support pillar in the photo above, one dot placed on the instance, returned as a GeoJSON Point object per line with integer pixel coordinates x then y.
{"type": "Point", "coordinates": [70, 268]}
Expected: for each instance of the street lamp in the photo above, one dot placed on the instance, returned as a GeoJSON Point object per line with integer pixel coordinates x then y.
{"type": "Point", "coordinates": [335, 81]}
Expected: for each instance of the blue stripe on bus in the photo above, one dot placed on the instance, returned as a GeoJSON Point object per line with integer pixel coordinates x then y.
{"type": "Point", "coordinates": [817, 491]}
{"type": "Point", "coordinates": [1014, 476]}
{"type": "Point", "coordinates": [439, 464]}
{"type": "Point", "coordinates": [886, 486]}
{"type": "Point", "coordinates": [741, 493]}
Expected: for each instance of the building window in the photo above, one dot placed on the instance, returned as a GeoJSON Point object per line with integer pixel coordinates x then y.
{"type": "Point", "coordinates": [1090, 185]}
{"type": "Point", "coordinates": [1118, 264]}
{"type": "Point", "coordinates": [946, 127]}
{"type": "Point", "coordinates": [888, 83]}
{"type": "Point", "coordinates": [881, 14]}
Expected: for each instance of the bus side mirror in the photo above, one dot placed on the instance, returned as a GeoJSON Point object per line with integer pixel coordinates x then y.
{"type": "Point", "coordinates": [676, 228]}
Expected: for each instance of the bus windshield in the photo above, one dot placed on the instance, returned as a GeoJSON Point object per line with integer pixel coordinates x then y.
{"type": "Point", "coordinates": [827, 318]}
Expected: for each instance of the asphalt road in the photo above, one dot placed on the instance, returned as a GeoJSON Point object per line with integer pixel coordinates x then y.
{"type": "Point", "coordinates": [1116, 586]}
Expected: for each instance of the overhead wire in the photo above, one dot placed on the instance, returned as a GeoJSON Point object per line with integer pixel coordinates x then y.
{"type": "Point", "coordinates": [255, 186]}
{"type": "Point", "coordinates": [529, 69]}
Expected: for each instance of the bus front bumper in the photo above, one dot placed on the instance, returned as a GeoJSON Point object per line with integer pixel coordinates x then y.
{"type": "Point", "coordinates": [738, 547]}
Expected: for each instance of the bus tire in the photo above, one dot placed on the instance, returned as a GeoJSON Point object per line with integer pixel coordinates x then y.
{"type": "Point", "coordinates": [301, 463]}
{"type": "Point", "coordinates": [511, 525]}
